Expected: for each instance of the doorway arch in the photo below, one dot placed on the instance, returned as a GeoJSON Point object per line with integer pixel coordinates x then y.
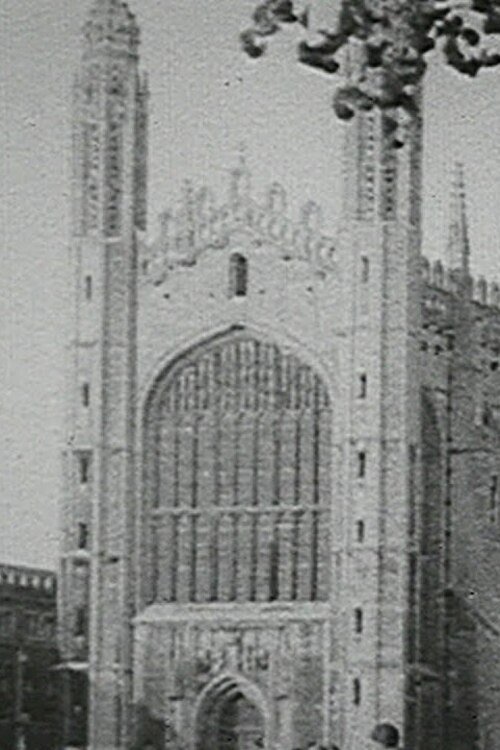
{"type": "Point", "coordinates": [230, 716]}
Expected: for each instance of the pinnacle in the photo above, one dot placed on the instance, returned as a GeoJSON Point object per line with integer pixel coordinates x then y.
{"type": "Point", "coordinates": [111, 21]}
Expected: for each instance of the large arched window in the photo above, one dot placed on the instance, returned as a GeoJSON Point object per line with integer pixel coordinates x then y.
{"type": "Point", "coordinates": [237, 459]}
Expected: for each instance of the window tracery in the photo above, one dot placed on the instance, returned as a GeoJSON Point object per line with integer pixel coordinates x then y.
{"type": "Point", "coordinates": [238, 474]}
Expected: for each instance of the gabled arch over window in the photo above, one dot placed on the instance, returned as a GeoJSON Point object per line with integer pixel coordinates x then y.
{"type": "Point", "coordinates": [238, 275]}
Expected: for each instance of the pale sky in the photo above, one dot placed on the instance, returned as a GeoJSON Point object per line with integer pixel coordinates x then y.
{"type": "Point", "coordinates": [207, 99]}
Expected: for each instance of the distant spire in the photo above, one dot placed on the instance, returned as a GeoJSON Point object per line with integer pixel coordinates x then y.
{"type": "Point", "coordinates": [458, 250]}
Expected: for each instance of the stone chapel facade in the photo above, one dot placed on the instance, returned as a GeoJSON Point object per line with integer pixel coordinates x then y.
{"type": "Point", "coordinates": [281, 522]}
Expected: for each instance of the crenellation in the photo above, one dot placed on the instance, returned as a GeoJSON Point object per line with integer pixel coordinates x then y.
{"type": "Point", "coordinates": [29, 579]}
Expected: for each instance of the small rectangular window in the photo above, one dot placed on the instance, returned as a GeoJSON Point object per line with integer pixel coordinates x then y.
{"type": "Point", "coordinates": [84, 466]}
{"type": "Point", "coordinates": [361, 464]}
{"type": "Point", "coordinates": [360, 531]}
{"type": "Point", "coordinates": [274, 563]}
{"type": "Point", "coordinates": [358, 620]}
{"type": "Point", "coordinates": [88, 287]}
{"type": "Point", "coordinates": [365, 269]}
{"type": "Point", "coordinates": [80, 622]}
{"type": "Point", "coordinates": [85, 395]}
{"type": "Point", "coordinates": [494, 498]}
{"type": "Point", "coordinates": [238, 275]}
{"type": "Point", "coordinates": [363, 383]}
{"type": "Point", "coordinates": [356, 690]}
{"type": "Point", "coordinates": [83, 535]}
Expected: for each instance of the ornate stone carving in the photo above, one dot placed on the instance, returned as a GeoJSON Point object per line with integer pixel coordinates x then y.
{"type": "Point", "coordinates": [260, 653]}
{"type": "Point", "coordinates": [90, 107]}
{"type": "Point", "coordinates": [141, 155]}
{"type": "Point", "coordinates": [366, 167]}
{"type": "Point", "coordinates": [199, 226]}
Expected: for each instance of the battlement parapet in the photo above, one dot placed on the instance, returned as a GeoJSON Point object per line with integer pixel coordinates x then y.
{"type": "Point", "coordinates": [199, 225]}
{"type": "Point", "coordinates": [29, 579]}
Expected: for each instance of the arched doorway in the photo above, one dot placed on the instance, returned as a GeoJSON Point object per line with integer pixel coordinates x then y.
{"type": "Point", "coordinates": [240, 725]}
{"type": "Point", "coordinates": [228, 719]}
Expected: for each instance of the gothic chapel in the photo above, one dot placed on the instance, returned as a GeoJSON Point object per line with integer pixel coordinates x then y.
{"type": "Point", "coordinates": [281, 518]}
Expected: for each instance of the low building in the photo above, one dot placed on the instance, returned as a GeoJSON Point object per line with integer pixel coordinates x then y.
{"type": "Point", "coordinates": [29, 715]}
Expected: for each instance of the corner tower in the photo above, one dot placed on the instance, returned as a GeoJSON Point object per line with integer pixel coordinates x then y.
{"type": "Point", "coordinates": [379, 247]}
{"type": "Point", "coordinates": [109, 213]}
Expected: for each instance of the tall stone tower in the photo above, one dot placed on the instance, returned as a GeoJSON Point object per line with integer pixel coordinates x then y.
{"type": "Point", "coordinates": [109, 211]}
{"type": "Point", "coordinates": [379, 249]}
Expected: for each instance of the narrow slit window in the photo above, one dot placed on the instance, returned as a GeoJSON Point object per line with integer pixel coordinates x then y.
{"type": "Point", "coordinates": [365, 269]}
{"type": "Point", "coordinates": [363, 385]}
{"type": "Point", "coordinates": [358, 620]}
{"type": "Point", "coordinates": [84, 466]}
{"type": "Point", "coordinates": [361, 464]}
{"type": "Point", "coordinates": [83, 536]}
{"type": "Point", "coordinates": [85, 395]}
{"type": "Point", "coordinates": [494, 498]}
{"type": "Point", "coordinates": [274, 561]}
{"type": "Point", "coordinates": [356, 691]}
{"type": "Point", "coordinates": [80, 622]}
{"type": "Point", "coordinates": [88, 288]}
{"type": "Point", "coordinates": [238, 275]}
{"type": "Point", "coordinates": [360, 531]}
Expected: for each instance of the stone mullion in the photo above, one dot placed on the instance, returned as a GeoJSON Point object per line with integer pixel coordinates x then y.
{"type": "Point", "coordinates": [237, 516]}
{"type": "Point", "coordinates": [206, 430]}
{"type": "Point", "coordinates": [255, 502]}
{"type": "Point", "coordinates": [172, 520]}
{"type": "Point", "coordinates": [264, 557]}
{"type": "Point", "coordinates": [316, 491]}
{"type": "Point", "coordinates": [185, 485]}
{"type": "Point", "coordinates": [325, 492]}
{"type": "Point", "coordinates": [165, 449]}
{"type": "Point", "coordinates": [306, 499]}
{"type": "Point", "coordinates": [225, 555]}
{"type": "Point", "coordinates": [286, 531]}
{"type": "Point", "coordinates": [244, 501]}
{"type": "Point", "coordinates": [194, 504]}
{"type": "Point", "coordinates": [324, 557]}
{"type": "Point", "coordinates": [285, 555]}
{"type": "Point", "coordinates": [184, 557]}
{"type": "Point", "coordinates": [304, 556]}
{"type": "Point", "coordinates": [265, 479]}
{"type": "Point", "coordinates": [214, 521]}
{"type": "Point", "coordinates": [165, 557]}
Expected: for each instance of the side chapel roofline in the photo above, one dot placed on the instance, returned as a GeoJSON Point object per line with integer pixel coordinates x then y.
{"type": "Point", "coordinates": [443, 278]}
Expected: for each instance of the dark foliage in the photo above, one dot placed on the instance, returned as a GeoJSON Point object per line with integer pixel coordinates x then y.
{"type": "Point", "coordinates": [394, 40]}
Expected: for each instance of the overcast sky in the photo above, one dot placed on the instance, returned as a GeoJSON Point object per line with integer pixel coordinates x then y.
{"type": "Point", "coordinates": [206, 100]}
